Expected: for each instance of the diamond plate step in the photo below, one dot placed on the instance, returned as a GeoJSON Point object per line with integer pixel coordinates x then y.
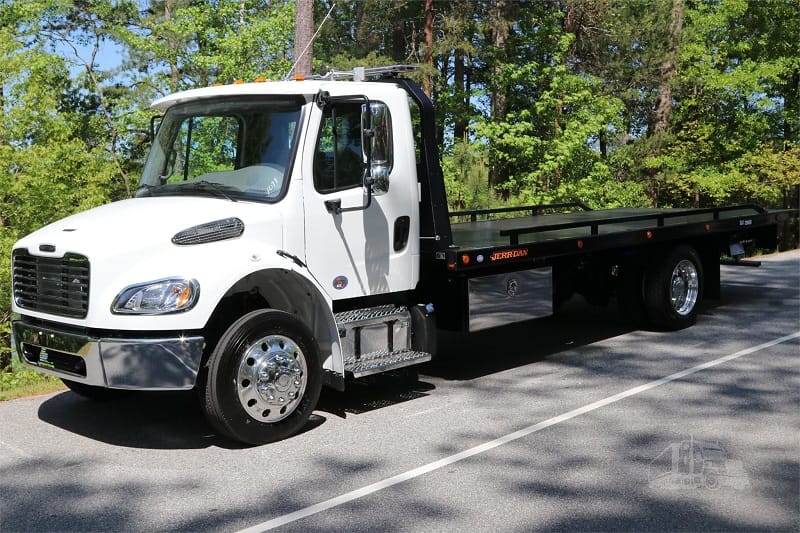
{"type": "Point", "coordinates": [372, 315]}
{"type": "Point", "coordinates": [377, 362]}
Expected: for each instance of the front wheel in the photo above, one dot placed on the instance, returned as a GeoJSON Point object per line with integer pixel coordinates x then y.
{"type": "Point", "coordinates": [673, 289]}
{"type": "Point", "coordinates": [264, 378]}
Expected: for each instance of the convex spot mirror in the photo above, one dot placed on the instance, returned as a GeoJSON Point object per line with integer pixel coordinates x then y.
{"type": "Point", "coordinates": [376, 144]}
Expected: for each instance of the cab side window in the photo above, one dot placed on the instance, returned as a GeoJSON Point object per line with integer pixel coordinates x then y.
{"type": "Point", "coordinates": [338, 160]}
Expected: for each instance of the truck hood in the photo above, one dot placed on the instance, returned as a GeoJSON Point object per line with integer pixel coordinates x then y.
{"type": "Point", "coordinates": [139, 225]}
{"type": "Point", "coordinates": [129, 242]}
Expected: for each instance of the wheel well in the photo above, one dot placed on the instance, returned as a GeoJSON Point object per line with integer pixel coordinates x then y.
{"type": "Point", "coordinates": [279, 289]}
{"type": "Point", "coordinates": [708, 249]}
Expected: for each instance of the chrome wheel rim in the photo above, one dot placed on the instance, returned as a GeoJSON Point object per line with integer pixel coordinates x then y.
{"type": "Point", "coordinates": [685, 287]}
{"type": "Point", "coordinates": [272, 378]}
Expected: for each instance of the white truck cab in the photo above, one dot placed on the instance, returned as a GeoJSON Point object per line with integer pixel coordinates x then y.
{"type": "Point", "coordinates": [260, 204]}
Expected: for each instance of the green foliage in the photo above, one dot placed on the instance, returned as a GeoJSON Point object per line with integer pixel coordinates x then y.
{"type": "Point", "coordinates": [17, 381]}
{"type": "Point", "coordinates": [549, 150]}
{"type": "Point", "coordinates": [188, 44]}
{"type": "Point", "coordinates": [7, 238]}
{"type": "Point", "coordinates": [773, 175]}
{"type": "Point", "coordinates": [466, 178]}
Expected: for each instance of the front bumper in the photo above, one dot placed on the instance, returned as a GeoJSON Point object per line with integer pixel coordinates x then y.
{"type": "Point", "coordinates": [168, 363]}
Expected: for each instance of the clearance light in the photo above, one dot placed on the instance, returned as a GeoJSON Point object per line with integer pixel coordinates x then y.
{"type": "Point", "coordinates": [218, 84]}
{"type": "Point", "coordinates": [260, 79]}
{"type": "Point", "coordinates": [708, 227]}
{"type": "Point", "coordinates": [238, 82]}
{"type": "Point", "coordinates": [465, 259]}
{"type": "Point", "coordinates": [580, 244]}
{"type": "Point", "coordinates": [649, 234]}
{"type": "Point", "coordinates": [299, 77]}
{"type": "Point", "coordinates": [451, 266]}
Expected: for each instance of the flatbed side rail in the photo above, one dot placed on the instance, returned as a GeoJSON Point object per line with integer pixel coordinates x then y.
{"type": "Point", "coordinates": [533, 209]}
{"type": "Point", "coordinates": [659, 218]}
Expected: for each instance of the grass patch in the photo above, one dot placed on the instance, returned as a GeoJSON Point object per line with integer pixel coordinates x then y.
{"type": "Point", "coordinates": [19, 382]}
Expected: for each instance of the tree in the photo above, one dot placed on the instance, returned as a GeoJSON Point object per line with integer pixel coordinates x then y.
{"type": "Point", "coordinates": [304, 32]}
{"type": "Point", "coordinates": [668, 69]}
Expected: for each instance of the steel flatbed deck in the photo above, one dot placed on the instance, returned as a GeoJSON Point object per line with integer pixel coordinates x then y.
{"type": "Point", "coordinates": [524, 238]}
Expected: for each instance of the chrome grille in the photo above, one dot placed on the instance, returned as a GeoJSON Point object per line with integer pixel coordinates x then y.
{"type": "Point", "coordinates": [56, 285]}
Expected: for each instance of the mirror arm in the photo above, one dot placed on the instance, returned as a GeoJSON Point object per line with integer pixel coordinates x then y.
{"type": "Point", "coordinates": [334, 207]}
{"type": "Point", "coordinates": [153, 127]}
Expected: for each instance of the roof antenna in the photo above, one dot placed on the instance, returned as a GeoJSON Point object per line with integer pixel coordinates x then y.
{"type": "Point", "coordinates": [310, 42]}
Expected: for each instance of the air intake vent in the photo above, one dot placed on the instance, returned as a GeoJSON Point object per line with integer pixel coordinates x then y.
{"type": "Point", "coordinates": [56, 285]}
{"type": "Point", "coordinates": [219, 230]}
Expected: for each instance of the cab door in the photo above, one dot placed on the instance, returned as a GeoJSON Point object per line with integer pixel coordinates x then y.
{"type": "Point", "coordinates": [364, 251]}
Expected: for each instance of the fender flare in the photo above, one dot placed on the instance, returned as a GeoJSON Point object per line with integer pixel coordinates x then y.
{"type": "Point", "coordinates": [287, 285]}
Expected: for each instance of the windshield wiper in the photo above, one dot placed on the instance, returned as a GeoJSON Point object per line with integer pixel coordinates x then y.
{"type": "Point", "coordinates": [211, 186]}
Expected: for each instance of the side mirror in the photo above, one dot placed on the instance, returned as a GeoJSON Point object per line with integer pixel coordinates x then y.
{"type": "Point", "coordinates": [376, 145]}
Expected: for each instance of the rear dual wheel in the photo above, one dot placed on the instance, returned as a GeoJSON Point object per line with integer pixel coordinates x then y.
{"type": "Point", "coordinates": [264, 378]}
{"type": "Point", "coordinates": [673, 289]}
{"type": "Point", "coordinates": [666, 294]}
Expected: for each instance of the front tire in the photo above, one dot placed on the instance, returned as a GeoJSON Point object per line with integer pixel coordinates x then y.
{"type": "Point", "coordinates": [674, 288]}
{"type": "Point", "coordinates": [264, 378]}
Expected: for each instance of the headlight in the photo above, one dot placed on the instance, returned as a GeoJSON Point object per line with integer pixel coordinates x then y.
{"type": "Point", "coordinates": [158, 297]}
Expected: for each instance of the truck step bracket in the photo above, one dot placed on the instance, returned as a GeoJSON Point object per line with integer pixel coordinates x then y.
{"type": "Point", "coordinates": [378, 339]}
{"type": "Point", "coordinates": [377, 362]}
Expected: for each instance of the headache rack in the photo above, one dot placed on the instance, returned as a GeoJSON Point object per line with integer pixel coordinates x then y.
{"type": "Point", "coordinates": [365, 73]}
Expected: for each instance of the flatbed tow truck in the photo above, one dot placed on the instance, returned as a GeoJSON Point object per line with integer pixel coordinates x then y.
{"type": "Point", "coordinates": [287, 236]}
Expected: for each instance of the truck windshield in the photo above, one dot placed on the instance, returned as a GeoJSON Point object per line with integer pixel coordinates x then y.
{"type": "Point", "coordinates": [233, 149]}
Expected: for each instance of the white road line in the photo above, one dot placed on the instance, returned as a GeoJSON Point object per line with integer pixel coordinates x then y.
{"type": "Point", "coordinates": [490, 445]}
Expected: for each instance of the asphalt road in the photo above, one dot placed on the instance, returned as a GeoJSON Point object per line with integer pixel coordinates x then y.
{"type": "Point", "coordinates": [568, 423]}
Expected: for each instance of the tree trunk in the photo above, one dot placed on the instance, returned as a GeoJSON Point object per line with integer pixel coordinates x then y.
{"type": "Point", "coordinates": [398, 39]}
{"type": "Point", "coordinates": [174, 73]}
{"type": "Point", "coordinates": [304, 32]}
{"type": "Point", "coordinates": [427, 56]}
{"type": "Point", "coordinates": [663, 106]}
{"type": "Point", "coordinates": [460, 127]}
{"type": "Point", "coordinates": [498, 172]}
{"type": "Point", "coordinates": [791, 104]}
{"type": "Point", "coordinates": [2, 112]}
{"type": "Point", "coordinates": [442, 108]}
{"type": "Point", "coordinates": [500, 31]}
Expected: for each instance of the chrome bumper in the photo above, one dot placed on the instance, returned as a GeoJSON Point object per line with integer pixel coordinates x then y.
{"type": "Point", "coordinates": [144, 364]}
